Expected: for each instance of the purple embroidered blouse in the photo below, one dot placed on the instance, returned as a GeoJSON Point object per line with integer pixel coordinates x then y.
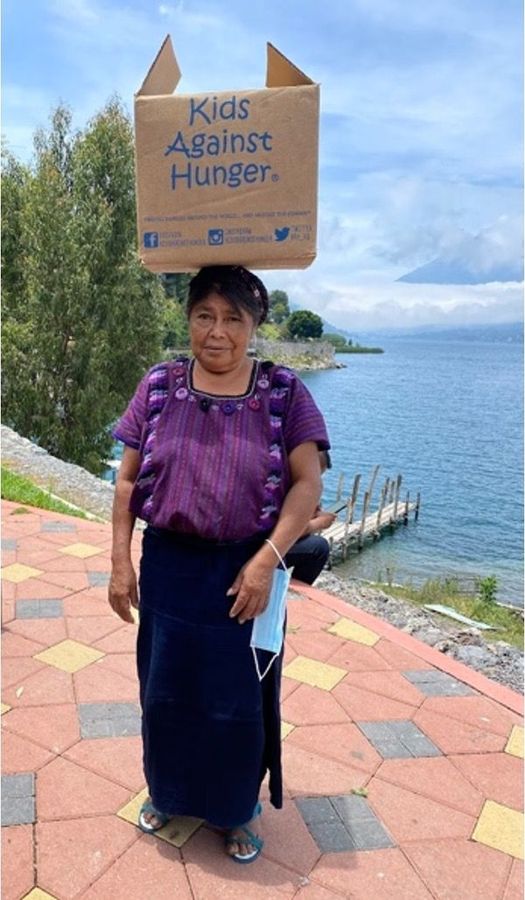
{"type": "Point", "coordinates": [216, 466]}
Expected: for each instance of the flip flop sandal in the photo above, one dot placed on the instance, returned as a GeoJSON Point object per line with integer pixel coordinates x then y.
{"type": "Point", "coordinates": [146, 826]}
{"type": "Point", "coordinates": [247, 838]}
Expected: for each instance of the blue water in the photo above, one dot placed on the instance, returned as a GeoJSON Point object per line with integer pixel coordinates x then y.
{"type": "Point", "coordinates": [448, 416]}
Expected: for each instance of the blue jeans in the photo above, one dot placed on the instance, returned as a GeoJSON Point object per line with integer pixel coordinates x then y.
{"type": "Point", "coordinates": [308, 556]}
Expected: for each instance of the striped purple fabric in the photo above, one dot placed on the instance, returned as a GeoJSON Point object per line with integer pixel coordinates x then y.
{"type": "Point", "coordinates": [216, 466]}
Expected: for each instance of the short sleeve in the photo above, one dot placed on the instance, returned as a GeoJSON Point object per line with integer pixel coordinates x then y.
{"type": "Point", "coordinates": [129, 427]}
{"type": "Point", "coordinates": [303, 421]}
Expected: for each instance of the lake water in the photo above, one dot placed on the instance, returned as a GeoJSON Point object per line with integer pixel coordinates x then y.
{"type": "Point", "coordinates": [448, 416]}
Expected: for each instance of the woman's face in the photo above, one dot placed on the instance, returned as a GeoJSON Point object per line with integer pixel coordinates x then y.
{"type": "Point", "coordinates": [219, 334]}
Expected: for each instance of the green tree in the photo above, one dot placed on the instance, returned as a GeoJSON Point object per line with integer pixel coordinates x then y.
{"type": "Point", "coordinates": [336, 340]}
{"type": "Point", "coordinates": [279, 309]}
{"type": "Point", "coordinates": [82, 318]}
{"type": "Point", "coordinates": [304, 324]}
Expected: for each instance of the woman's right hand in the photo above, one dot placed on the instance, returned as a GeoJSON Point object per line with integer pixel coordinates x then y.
{"type": "Point", "coordinates": [122, 591]}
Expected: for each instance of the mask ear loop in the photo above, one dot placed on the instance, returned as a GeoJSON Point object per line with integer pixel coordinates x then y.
{"type": "Point", "coordinates": [254, 651]}
{"type": "Point", "coordinates": [275, 550]}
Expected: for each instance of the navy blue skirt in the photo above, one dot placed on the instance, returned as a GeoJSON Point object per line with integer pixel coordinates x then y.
{"type": "Point", "coordinates": [210, 728]}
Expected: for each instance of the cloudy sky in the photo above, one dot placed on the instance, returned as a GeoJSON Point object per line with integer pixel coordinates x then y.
{"type": "Point", "coordinates": [421, 152]}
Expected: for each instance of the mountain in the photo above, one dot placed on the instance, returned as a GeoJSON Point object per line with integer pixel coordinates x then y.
{"type": "Point", "coordinates": [501, 333]}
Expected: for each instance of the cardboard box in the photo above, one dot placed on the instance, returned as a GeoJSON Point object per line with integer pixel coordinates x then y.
{"type": "Point", "coordinates": [230, 177]}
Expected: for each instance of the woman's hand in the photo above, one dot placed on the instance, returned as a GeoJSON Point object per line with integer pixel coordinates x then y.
{"type": "Point", "coordinates": [122, 591]}
{"type": "Point", "coordinates": [252, 586]}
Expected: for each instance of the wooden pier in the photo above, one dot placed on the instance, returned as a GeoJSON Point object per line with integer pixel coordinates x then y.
{"type": "Point", "coordinates": [392, 509]}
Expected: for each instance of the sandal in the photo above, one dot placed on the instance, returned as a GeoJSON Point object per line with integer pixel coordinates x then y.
{"type": "Point", "coordinates": [147, 827]}
{"type": "Point", "coordinates": [245, 840]}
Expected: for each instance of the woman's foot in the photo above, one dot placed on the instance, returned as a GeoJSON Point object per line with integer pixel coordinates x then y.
{"type": "Point", "coordinates": [245, 842]}
{"type": "Point", "coordinates": [151, 819]}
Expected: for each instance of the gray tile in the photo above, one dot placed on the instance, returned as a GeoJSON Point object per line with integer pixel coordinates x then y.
{"type": "Point", "coordinates": [39, 609]}
{"type": "Point", "coordinates": [351, 807]}
{"type": "Point", "coordinates": [53, 526]}
{"type": "Point", "coordinates": [315, 810]}
{"type": "Point", "coordinates": [398, 739]}
{"type": "Point", "coordinates": [18, 800]}
{"type": "Point", "coordinates": [434, 683]}
{"type": "Point", "coordinates": [98, 579]}
{"type": "Point", "coordinates": [369, 835]}
{"type": "Point", "coordinates": [9, 544]}
{"type": "Point", "coordinates": [100, 720]}
{"type": "Point", "coordinates": [331, 837]}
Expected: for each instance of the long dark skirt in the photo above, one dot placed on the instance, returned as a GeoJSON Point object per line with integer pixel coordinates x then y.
{"type": "Point", "coordinates": [211, 730]}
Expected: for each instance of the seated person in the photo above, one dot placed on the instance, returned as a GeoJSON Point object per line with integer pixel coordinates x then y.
{"type": "Point", "coordinates": [310, 553]}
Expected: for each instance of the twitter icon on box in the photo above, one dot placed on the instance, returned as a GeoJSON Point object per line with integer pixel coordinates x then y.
{"type": "Point", "coordinates": [281, 234]}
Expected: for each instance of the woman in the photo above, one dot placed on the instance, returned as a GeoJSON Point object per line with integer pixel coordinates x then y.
{"type": "Point", "coordinates": [221, 459]}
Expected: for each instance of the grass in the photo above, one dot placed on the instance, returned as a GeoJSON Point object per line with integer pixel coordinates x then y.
{"type": "Point", "coordinates": [21, 490]}
{"type": "Point", "coordinates": [447, 591]}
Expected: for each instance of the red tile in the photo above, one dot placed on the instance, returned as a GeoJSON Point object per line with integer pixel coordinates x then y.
{"type": "Point", "coordinates": [9, 557]}
{"type": "Point", "coordinates": [453, 736]}
{"type": "Point", "coordinates": [288, 686]}
{"type": "Point", "coordinates": [72, 854]}
{"type": "Point", "coordinates": [287, 839]}
{"type": "Point", "coordinates": [94, 685]}
{"type": "Point", "coordinates": [89, 629]}
{"type": "Point", "coordinates": [434, 777]}
{"type": "Point", "coordinates": [21, 755]}
{"type": "Point", "coordinates": [8, 610]}
{"type": "Point", "coordinates": [66, 790]}
{"type": "Point", "coordinates": [212, 875]}
{"type": "Point", "coordinates": [36, 589]}
{"type": "Point", "coordinates": [514, 888]}
{"type": "Point", "coordinates": [301, 620]}
{"type": "Point", "coordinates": [289, 654]}
{"type": "Point", "coordinates": [123, 663]}
{"type": "Point", "coordinates": [359, 658]}
{"type": "Point", "coordinates": [54, 727]}
{"type": "Point", "coordinates": [398, 657]}
{"type": "Point", "coordinates": [45, 631]}
{"type": "Point", "coordinates": [410, 817]}
{"type": "Point", "coordinates": [463, 870]}
{"type": "Point", "coordinates": [16, 669]}
{"type": "Point", "coordinates": [499, 776]}
{"type": "Point", "coordinates": [40, 559]}
{"type": "Point", "coordinates": [478, 711]}
{"type": "Point", "coordinates": [16, 645]}
{"type": "Point", "coordinates": [344, 743]}
{"type": "Point", "coordinates": [321, 613]}
{"type": "Point", "coordinates": [312, 706]}
{"type": "Point", "coordinates": [145, 870]}
{"type": "Point", "coordinates": [117, 759]}
{"type": "Point", "coordinates": [316, 892]}
{"type": "Point", "coordinates": [308, 775]}
{"type": "Point", "coordinates": [316, 646]}
{"type": "Point", "coordinates": [46, 687]}
{"type": "Point", "coordinates": [371, 875]}
{"type": "Point", "coordinates": [122, 641]}
{"type": "Point", "coordinates": [17, 861]}
{"type": "Point", "coordinates": [73, 581]}
{"type": "Point", "coordinates": [86, 603]}
{"type": "Point", "coordinates": [389, 684]}
{"type": "Point", "coordinates": [65, 563]}
{"type": "Point", "coordinates": [9, 590]}
{"type": "Point", "coordinates": [365, 706]}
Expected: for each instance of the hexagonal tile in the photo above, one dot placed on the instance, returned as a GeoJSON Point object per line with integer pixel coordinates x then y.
{"type": "Point", "coordinates": [80, 550]}
{"type": "Point", "coordinates": [311, 671]}
{"type": "Point", "coordinates": [69, 656]}
{"type": "Point", "coordinates": [515, 742]}
{"type": "Point", "coordinates": [175, 832]}
{"type": "Point", "coordinates": [351, 631]}
{"type": "Point", "coordinates": [500, 827]}
{"type": "Point", "coordinates": [17, 573]}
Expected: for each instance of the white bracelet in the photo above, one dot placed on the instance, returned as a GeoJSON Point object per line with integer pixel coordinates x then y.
{"type": "Point", "coordinates": [275, 550]}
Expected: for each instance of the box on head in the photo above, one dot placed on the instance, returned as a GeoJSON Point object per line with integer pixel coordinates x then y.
{"type": "Point", "coordinates": [228, 177]}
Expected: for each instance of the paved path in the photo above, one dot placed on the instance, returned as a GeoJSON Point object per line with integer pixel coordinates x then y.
{"type": "Point", "coordinates": [402, 767]}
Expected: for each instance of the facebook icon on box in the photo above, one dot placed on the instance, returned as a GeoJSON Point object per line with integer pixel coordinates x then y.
{"type": "Point", "coordinates": [151, 239]}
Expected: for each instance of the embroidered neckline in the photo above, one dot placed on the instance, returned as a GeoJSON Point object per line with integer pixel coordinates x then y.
{"type": "Point", "coordinates": [233, 397]}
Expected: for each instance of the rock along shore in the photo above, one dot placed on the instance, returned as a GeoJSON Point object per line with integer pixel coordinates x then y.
{"type": "Point", "coordinates": [495, 659]}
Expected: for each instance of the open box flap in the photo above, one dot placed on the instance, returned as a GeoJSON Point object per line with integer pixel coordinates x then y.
{"type": "Point", "coordinates": [280, 72]}
{"type": "Point", "coordinates": [164, 73]}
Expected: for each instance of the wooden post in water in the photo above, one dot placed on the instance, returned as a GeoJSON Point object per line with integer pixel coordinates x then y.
{"type": "Point", "coordinates": [366, 501]}
{"type": "Point", "coordinates": [384, 493]}
{"type": "Point", "coordinates": [418, 504]}
{"type": "Point", "coordinates": [392, 489]}
{"type": "Point", "coordinates": [405, 514]}
{"type": "Point", "coordinates": [399, 480]}
{"type": "Point", "coordinates": [340, 486]}
{"type": "Point", "coordinates": [351, 506]}
{"type": "Point", "coordinates": [373, 478]}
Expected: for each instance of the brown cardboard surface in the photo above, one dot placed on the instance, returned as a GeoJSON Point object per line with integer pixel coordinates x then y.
{"type": "Point", "coordinates": [227, 177]}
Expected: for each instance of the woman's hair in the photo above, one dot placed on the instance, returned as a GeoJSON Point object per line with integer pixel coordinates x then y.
{"type": "Point", "coordinates": [236, 284]}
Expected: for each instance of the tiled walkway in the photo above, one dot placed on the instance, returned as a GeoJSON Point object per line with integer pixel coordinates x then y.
{"type": "Point", "coordinates": [402, 768]}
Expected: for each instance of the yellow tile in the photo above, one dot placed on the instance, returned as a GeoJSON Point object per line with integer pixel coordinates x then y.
{"type": "Point", "coordinates": [310, 671]}
{"type": "Point", "coordinates": [515, 741]}
{"type": "Point", "coordinates": [351, 631]}
{"type": "Point", "coordinates": [38, 894]}
{"type": "Point", "coordinates": [70, 656]}
{"type": "Point", "coordinates": [500, 827]}
{"type": "Point", "coordinates": [286, 728]}
{"type": "Point", "coordinates": [18, 572]}
{"type": "Point", "coordinates": [81, 550]}
{"type": "Point", "coordinates": [176, 831]}
{"type": "Point", "coordinates": [5, 708]}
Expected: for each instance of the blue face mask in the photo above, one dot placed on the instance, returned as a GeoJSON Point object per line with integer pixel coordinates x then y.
{"type": "Point", "coordinates": [268, 627]}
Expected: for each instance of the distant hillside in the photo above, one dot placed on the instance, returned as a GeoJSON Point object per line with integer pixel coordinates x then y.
{"type": "Point", "coordinates": [501, 333]}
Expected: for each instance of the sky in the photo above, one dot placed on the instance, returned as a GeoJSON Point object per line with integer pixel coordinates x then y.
{"type": "Point", "coordinates": [421, 131]}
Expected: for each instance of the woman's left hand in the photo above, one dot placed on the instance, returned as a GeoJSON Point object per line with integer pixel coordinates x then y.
{"type": "Point", "coordinates": [252, 586]}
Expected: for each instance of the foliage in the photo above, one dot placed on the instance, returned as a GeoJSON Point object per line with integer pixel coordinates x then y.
{"type": "Point", "coordinates": [269, 331]}
{"type": "Point", "coordinates": [487, 589]}
{"type": "Point", "coordinates": [336, 340]}
{"type": "Point", "coordinates": [279, 309]}
{"type": "Point", "coordinates": [82, 318]}
{"type": "Point", "coordinates": [304, 324]}
{"type": "Point", "coordinates": [20, 490]}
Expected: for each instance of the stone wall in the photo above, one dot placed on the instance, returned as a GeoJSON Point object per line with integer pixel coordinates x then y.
{"type": "Point", "coordinates": [302, 355]}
